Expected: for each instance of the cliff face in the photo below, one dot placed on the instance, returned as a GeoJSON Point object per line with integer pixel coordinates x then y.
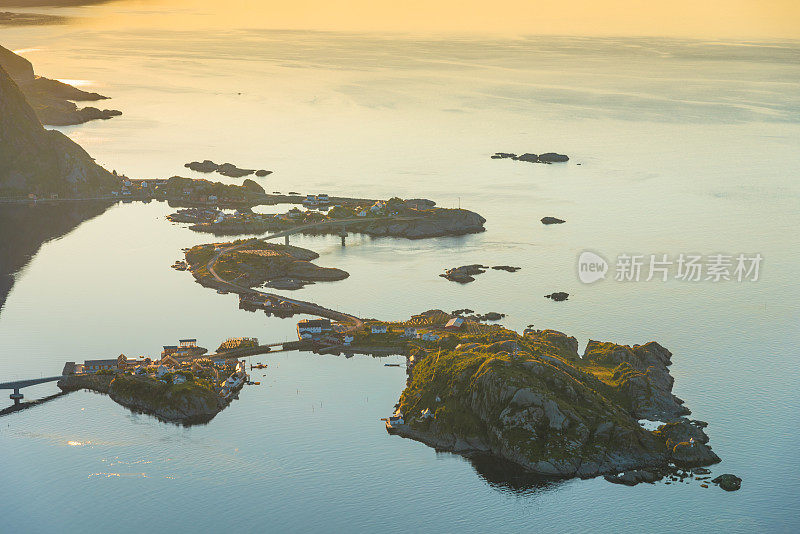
{"type": "Point", "coordinates": [51, 99]}
{"type": "Point", "coordinates": [40, 161]}
{"type": "Point", "coordinates": [535, 402]}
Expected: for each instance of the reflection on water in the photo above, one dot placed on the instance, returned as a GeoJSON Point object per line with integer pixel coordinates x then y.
{"type": "Point", "coordinates": [507, 476]}
{"type": "Point", "coordinates": [685, 147]}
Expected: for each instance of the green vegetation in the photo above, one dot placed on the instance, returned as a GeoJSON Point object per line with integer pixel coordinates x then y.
{"type": "Point", "coordinates": [160, 395]}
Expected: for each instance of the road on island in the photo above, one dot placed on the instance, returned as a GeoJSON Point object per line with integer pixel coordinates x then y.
{"type": "Point", "coordinates": [303, 306]}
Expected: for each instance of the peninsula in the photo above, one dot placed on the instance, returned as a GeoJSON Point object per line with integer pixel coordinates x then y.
{"type": "Point", "coordinates": [53, 101]}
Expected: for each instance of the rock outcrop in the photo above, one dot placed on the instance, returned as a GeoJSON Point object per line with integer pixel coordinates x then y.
{"type": "Point", "coordinates": [257, 263]}
{"type": "Point", "coordinates": [552, 220]}
{"type": "Point", "coordinates": [52, 100]}
{"type": "Point", "coordinates": [438, 222]}
{"type": "Point", "coordinates": [547, 157]}
{"type": "Point", "coordinates": [532, 400]}
{"type": "Point", "coordinates": [641, 373]}
{"type": "Point", "coordinates": [728, 482]}
{"type": "Point", "coordinates": [185, 404]}
{"type": "Point", "coordinates": [225, 169]}
{"type": "Point", "coordinates": [464, 274]}
{"type": "Point", "coordinates": [37, 161]}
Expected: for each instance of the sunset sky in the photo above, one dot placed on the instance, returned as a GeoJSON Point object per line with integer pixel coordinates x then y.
{"type": "Point", "coordinates": [736, 19]}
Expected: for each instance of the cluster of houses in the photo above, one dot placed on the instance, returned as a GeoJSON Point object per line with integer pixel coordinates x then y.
{"type": "Point", "coordinates": [178, 361]}
{"type": "Point", "coordinates": [129, 188]}
{"type": "Point", "coordinates": [323, 330]}
{"type": "Point", "coordinates": [410, 332]}
{"type": "Point", "coordinates": [321, 200]}
{"type": "Point", "coordinates": [255, 301]}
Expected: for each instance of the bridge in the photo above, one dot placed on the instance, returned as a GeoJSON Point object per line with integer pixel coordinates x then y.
{"type": "Point", "coordinates": [341, 223]}
{"type": "Point", "coordinates": [300, 305]}
{"type": "Point", "coordinates": [16, 385]}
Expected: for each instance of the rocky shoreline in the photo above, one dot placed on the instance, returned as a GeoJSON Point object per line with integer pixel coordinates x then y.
{"type": "Point", "coordinates": [534, 401]}
{"type": "Point", "coordinates": [185, 407]}
{"type": "Point", "coordinates": [52, 100]}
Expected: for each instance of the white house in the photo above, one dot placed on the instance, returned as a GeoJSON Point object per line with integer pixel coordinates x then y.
{"type": "Point", "coordinates": [161, 371]}
{"type": "Point", "coordinates": [429, 336]}
{"type": "Point", "coordinates": [348, 339]}
{"type": "Point", "coordinates": [410, 332]}
{"type": "Point", "coordinates": [427, 413]}
{"type": "Point", "coordinates": [178, 379]}
{"type": "Point", "coordinates": [377, 207]}
{"type": "Point", "coordinates": [323, 197]}
{"type": "Point", "coordinates": [379, 329]}
{"type": "Point", "coordinates": [362, 213]}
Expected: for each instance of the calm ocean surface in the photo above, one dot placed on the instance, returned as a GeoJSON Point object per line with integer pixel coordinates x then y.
{"type": "Point", "coordinates": [684, 147]}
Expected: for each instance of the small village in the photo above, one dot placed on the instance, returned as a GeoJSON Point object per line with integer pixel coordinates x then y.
{"type": "Point", "coordinates": [178, 364]}
{"type": "Point", "coordinates": [318, 209]}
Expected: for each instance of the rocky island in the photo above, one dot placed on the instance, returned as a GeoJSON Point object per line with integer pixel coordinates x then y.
{"type": "Point", "coordinates": [52, 100]}
{"type": "Point", "coordinates": [225, 169]}
{"type": "Point", "coordinates": [533, 400]}
{"type": "Point", "coordinates": [411, 219]}
{"type": "Point", "coordinates": [547, 157]}
{"type": "Point", "coordinates": [253, 262]}
{"type": "Point", "coordinates": [187, 396]}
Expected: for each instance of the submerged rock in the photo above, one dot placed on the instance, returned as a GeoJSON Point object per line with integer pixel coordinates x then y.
{"type": "Point", "coordinates": [558, 296]}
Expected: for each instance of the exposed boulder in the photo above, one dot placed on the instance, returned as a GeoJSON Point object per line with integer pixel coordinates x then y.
{"type": "Point", "coordinates": [636, 476]}
{"type": "Point", "coordinates": [507, 268]}
{"type": "Point", "coordinates": [262, 172]}
{"type": "Point", "coordinates": [552, 220]}
{"type": "Point", "coordinates": [546, 158]}
{"type": "Point", "coordinates": [465, 273]}
{"type": "Point", "coordinates": [728, 482]}
{"type": "Point", "coordinates": [557, 296]}
{"type": "Point", "coordinates": [692, 453]}
{"type": "Point", "coordinates": [552, 157]}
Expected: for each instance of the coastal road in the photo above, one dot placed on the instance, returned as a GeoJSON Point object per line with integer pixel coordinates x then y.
{"type": "Point", "coordinates": [301, 305]}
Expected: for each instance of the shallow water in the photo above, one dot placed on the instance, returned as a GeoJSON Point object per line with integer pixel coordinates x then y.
{"type": "Point", "coordinates": [684, 146]}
